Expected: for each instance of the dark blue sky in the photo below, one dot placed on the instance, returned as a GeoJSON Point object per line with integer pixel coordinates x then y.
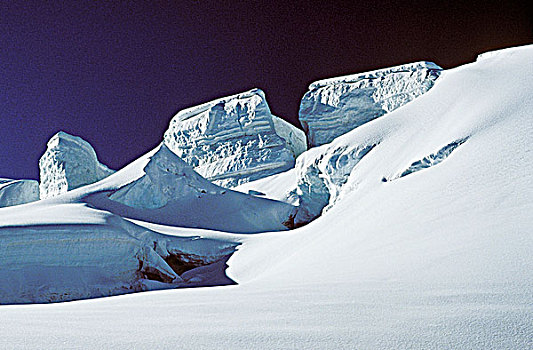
{"type": "Point", "coordinates": [115, 74]}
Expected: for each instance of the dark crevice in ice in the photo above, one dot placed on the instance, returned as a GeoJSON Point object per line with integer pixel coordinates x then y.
{"type": "Point", "coordinates": [430, 160]}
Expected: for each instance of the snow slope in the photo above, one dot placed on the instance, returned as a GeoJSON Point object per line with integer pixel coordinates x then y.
{"type": "Point", "coordinates": [277, 187]}
{"type": "Point", "coordinates": [409, 256]}
{"type": "Point", "coordinates": [15, 192]}
{"type": "Point", "coordinates": [168, 191]}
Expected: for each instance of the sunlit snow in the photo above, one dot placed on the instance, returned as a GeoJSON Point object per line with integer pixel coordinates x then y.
{"type": "Point", "coordinates": [421, 238]}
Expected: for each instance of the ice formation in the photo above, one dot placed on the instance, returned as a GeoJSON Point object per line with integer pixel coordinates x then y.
{"type": "Point", "coordinates": [103, 255]}
{"type": "Point", "coordinates": [294, 137]}
{"type": "Point", "coordinates": [321, 176]}
{"type": "Point", "coordinates": [335, 106]}
{"type": "Point", "coordinates": [234, 139]}
{"type": "Point", "coordinates": [15, 192]}
{"type": "Point", "coordinates": [168, 191]}
{"type": "Point", "coordinates": [445, 249]}
{"type": "Point", "coordinates": [69, 162]}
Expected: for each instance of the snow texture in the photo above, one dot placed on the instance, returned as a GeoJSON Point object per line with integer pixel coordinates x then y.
{"type": "Point", "coordinates": [233, 140]}
{"type": "Point", "coordinates": [440, 258]}
{"type": "Point", "coordinates": [335, 106]}
{"type": "Point", "coordinates": [294, 137]}
{"type": "Point", "coordinates": [15, 192]}
{"type": "Point", "coordinates": [430, 160]}
{"type": "Point", "coordinates": [277, 187]}
{"type": "Point", "coordinates": [69, 162]}
{"type": "Point", "coordinates": [168, 191]}
{"type": "Point", "coordinates": [102, 256]}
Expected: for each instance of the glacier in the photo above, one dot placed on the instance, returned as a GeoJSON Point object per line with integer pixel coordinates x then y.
{"type": "Point", "coordinates": [321, 177]}
{"type": "Point", "coordinates": [15, 192]}
{"type": "Point", "coordinates": [335, 106]}
{"type": "Point", "coordinates": [233, 140]}
{"type": "Point", "coordinates": [69, 162]}
{"type": "Point", "coordinates": [437, 256]}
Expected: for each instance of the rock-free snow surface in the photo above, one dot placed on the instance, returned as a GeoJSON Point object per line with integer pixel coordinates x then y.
{"type": "Point", "coordinates": [334, 106]}
{"type": "Point", "coordinates": [168, 191]}
{"type": "Point", "coordinates": [233, 140]}
{"type": "Point", "coordinates": [59, 260]}
{"type": "Point", "coordinates": [438, 258]}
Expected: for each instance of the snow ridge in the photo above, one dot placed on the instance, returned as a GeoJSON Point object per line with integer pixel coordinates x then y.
{"type": "Point", "coordinates": [168, 191]}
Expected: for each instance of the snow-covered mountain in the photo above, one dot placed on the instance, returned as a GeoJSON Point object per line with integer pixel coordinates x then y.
{"type": "Point", "coordinates": [334, 106]}
{"type": "Point", "coordinates": [235, 139]}
{"type": "Point", "coordinates": [421, 239]}
{"type": "Point", "coordinates": [69, 162]}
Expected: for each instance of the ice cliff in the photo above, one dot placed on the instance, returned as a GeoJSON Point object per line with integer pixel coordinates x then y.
{"type": "Point", "coordinates": [333, 107]}
{"type": "Point", "coordinates": [294, 137]}
{"type": "Point", "coordinates": [15, 192]}
{"type": "Point", "coordinates": [322, 174]}
{"type": "Point", "coordinates": [234, 139]}
{"type": "Point", "coordinates": [69, 162]}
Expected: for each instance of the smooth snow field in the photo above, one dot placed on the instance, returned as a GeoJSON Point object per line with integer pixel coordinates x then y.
{"type": "Point", "coordinates": [423, 239]}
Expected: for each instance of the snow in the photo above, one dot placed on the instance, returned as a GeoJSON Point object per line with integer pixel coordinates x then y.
{"type": "Point", "coordinates": [15, 192]}
{"type": "Point", "coordinates": [233, 140]}
{"type": "Point", "coordinates": [170, 192]}
{"type": "Point", "coordinates": [335, 106]}
{"type": "Point", "coordinates": [105, 255]}
{"type": "Point", "coordinates": [430, 160]}
{"type": "Point", "coordinates": [69, 162]}
{"type": "Point", "coordinates": [277, 187]}
{"type": "Point", "coordinates": [294, 138]}
{"type": "Point", "coordinates": [440, 258]}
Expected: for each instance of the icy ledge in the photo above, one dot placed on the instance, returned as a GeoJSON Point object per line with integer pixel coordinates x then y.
{"type": "Point", "coordinates": [69, 162]}
{"type": "Point", "coordinates": [106, 256]}
{"type": "Point", "coordinates": [332, 107]}
{"type": "Point", "coordinates": [235, 139]}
